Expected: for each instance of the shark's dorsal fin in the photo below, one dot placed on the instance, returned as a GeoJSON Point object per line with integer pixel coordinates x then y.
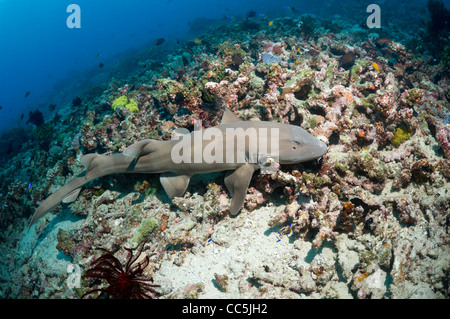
{"type": "Point", "coordinates": [86, 160]}
{"type": "Point", "coordinates": [138, 149]}
{"type": "Point", "coordinates": [229, 117]}
{"type": "Point", "coordinates": [174, 185]}
{"type": "Point", "coordinates": [72, 196]}
{"type": "Point", "coordinates": [237, 184]}
{"type": "Point", "coordinates": [179, 133]}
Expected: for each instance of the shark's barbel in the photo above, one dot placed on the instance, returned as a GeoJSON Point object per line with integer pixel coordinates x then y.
{"type": "Point", "coordinates": [294, 145]}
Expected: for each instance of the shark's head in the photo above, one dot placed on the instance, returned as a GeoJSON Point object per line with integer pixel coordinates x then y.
{"type": "Point", "coordinates": [297, 145]}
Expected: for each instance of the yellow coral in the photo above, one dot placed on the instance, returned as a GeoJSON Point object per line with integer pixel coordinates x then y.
{"type": "Point", "coordinates": [401, 134]}
{"type": "Point", "coordinates": [120, 101]}
{"type": "Point", "coordinates": [123, 101]}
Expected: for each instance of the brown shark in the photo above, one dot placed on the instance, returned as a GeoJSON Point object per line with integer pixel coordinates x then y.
{"type": "Point", "coordinates": [240, 147]}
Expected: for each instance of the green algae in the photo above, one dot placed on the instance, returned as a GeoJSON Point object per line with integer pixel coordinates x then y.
{"type": "Point", "coordinates": [148, 226]}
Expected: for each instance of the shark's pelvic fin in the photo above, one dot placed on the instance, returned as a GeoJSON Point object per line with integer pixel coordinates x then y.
{"type": "Point", "coordinates": [175, 185]}
{"type": "Point", "coordinates": [72, 196]}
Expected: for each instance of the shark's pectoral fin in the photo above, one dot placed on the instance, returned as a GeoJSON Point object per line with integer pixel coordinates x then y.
{"type": "Point", "coordinates": [72, 196]}
{"type": "Point", "coordinates": [237, 183]}
{"type": "Point", "coordinates": [174, 185]}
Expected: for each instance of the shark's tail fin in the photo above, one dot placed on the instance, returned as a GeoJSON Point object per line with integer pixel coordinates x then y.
{"type": "Point", "coordinates": [66, 194]}
{"type": "Point", "coordinates": [70, 191]}
{"type": "Point", "coordinates": [96, 165]}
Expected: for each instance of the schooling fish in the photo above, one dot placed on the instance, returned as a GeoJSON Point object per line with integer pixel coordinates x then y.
{"type": "Point", "coordinates": [27, 94]}
{"type": "Point", "coordinates": [289, 144]}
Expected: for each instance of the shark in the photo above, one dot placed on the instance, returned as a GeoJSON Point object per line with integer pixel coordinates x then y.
{"type": "Point", "coordinates": [237, 146]}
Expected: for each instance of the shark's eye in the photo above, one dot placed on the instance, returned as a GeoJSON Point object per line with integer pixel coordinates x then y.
{"type": "Point", "coordinates": [296, 143]}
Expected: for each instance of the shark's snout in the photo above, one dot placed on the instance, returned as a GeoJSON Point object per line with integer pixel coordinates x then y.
{"type": "Point", "coordinates": [303, 147]}
{"type": "Point", "coordinates": [322, 148]}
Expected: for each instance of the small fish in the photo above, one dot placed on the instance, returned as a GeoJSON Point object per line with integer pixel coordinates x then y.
{"type": "Point", "coordinates": [376, 67]}
{"type": "Point", "coordinates": [347, 60]}
{"type": "Point", "coordinates": [159, 41]}
{"type": "Point", "coordinates": [1, 107]}
{"type": "Point", "coordinates": [30, 186]}
{"type": "Point", "coordinates": [27, 94]}
{"type": "Point", "coordinates": [51, 107]}
{"type": "Point", "coordinates": [21, 117]}
{"type": "Point", "coordinates": [98, 55]}
{"type": "Point", "coordinates": [383, 40]}
{"type": "Point", "coordinates": [408, 82]}
{"type": "Point", "coordinates": [270, 23]}
{"type": "Point", "coordinates": [101, 65]}
{"type": "Point", "coordinates": [197, 41]}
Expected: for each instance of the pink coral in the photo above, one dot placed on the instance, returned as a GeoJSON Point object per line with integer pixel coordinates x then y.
{"type": "Point", "coordinates": [443, 137]}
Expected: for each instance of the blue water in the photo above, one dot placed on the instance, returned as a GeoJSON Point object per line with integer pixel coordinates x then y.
{"type": "Point", "coordinates": [38, 50]}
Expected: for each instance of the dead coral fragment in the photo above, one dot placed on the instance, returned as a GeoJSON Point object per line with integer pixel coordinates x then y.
{"type": "Point", "coordinates": [421, 170]}
{"type": "Point", "coordinates": [221, 281]}
{"type": "Point", "coordinates": [66, 243]}
{"type": "Point", "coordinates": [142, 187]}
{"type": "Point", "coordinates": [148, 226]}
{"type": "Point", "coordinates": [193, 291]}
{"type": "Point", "coordinates": [370, 165]}
{"type": "Point", "coordinates": [125, 282]}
